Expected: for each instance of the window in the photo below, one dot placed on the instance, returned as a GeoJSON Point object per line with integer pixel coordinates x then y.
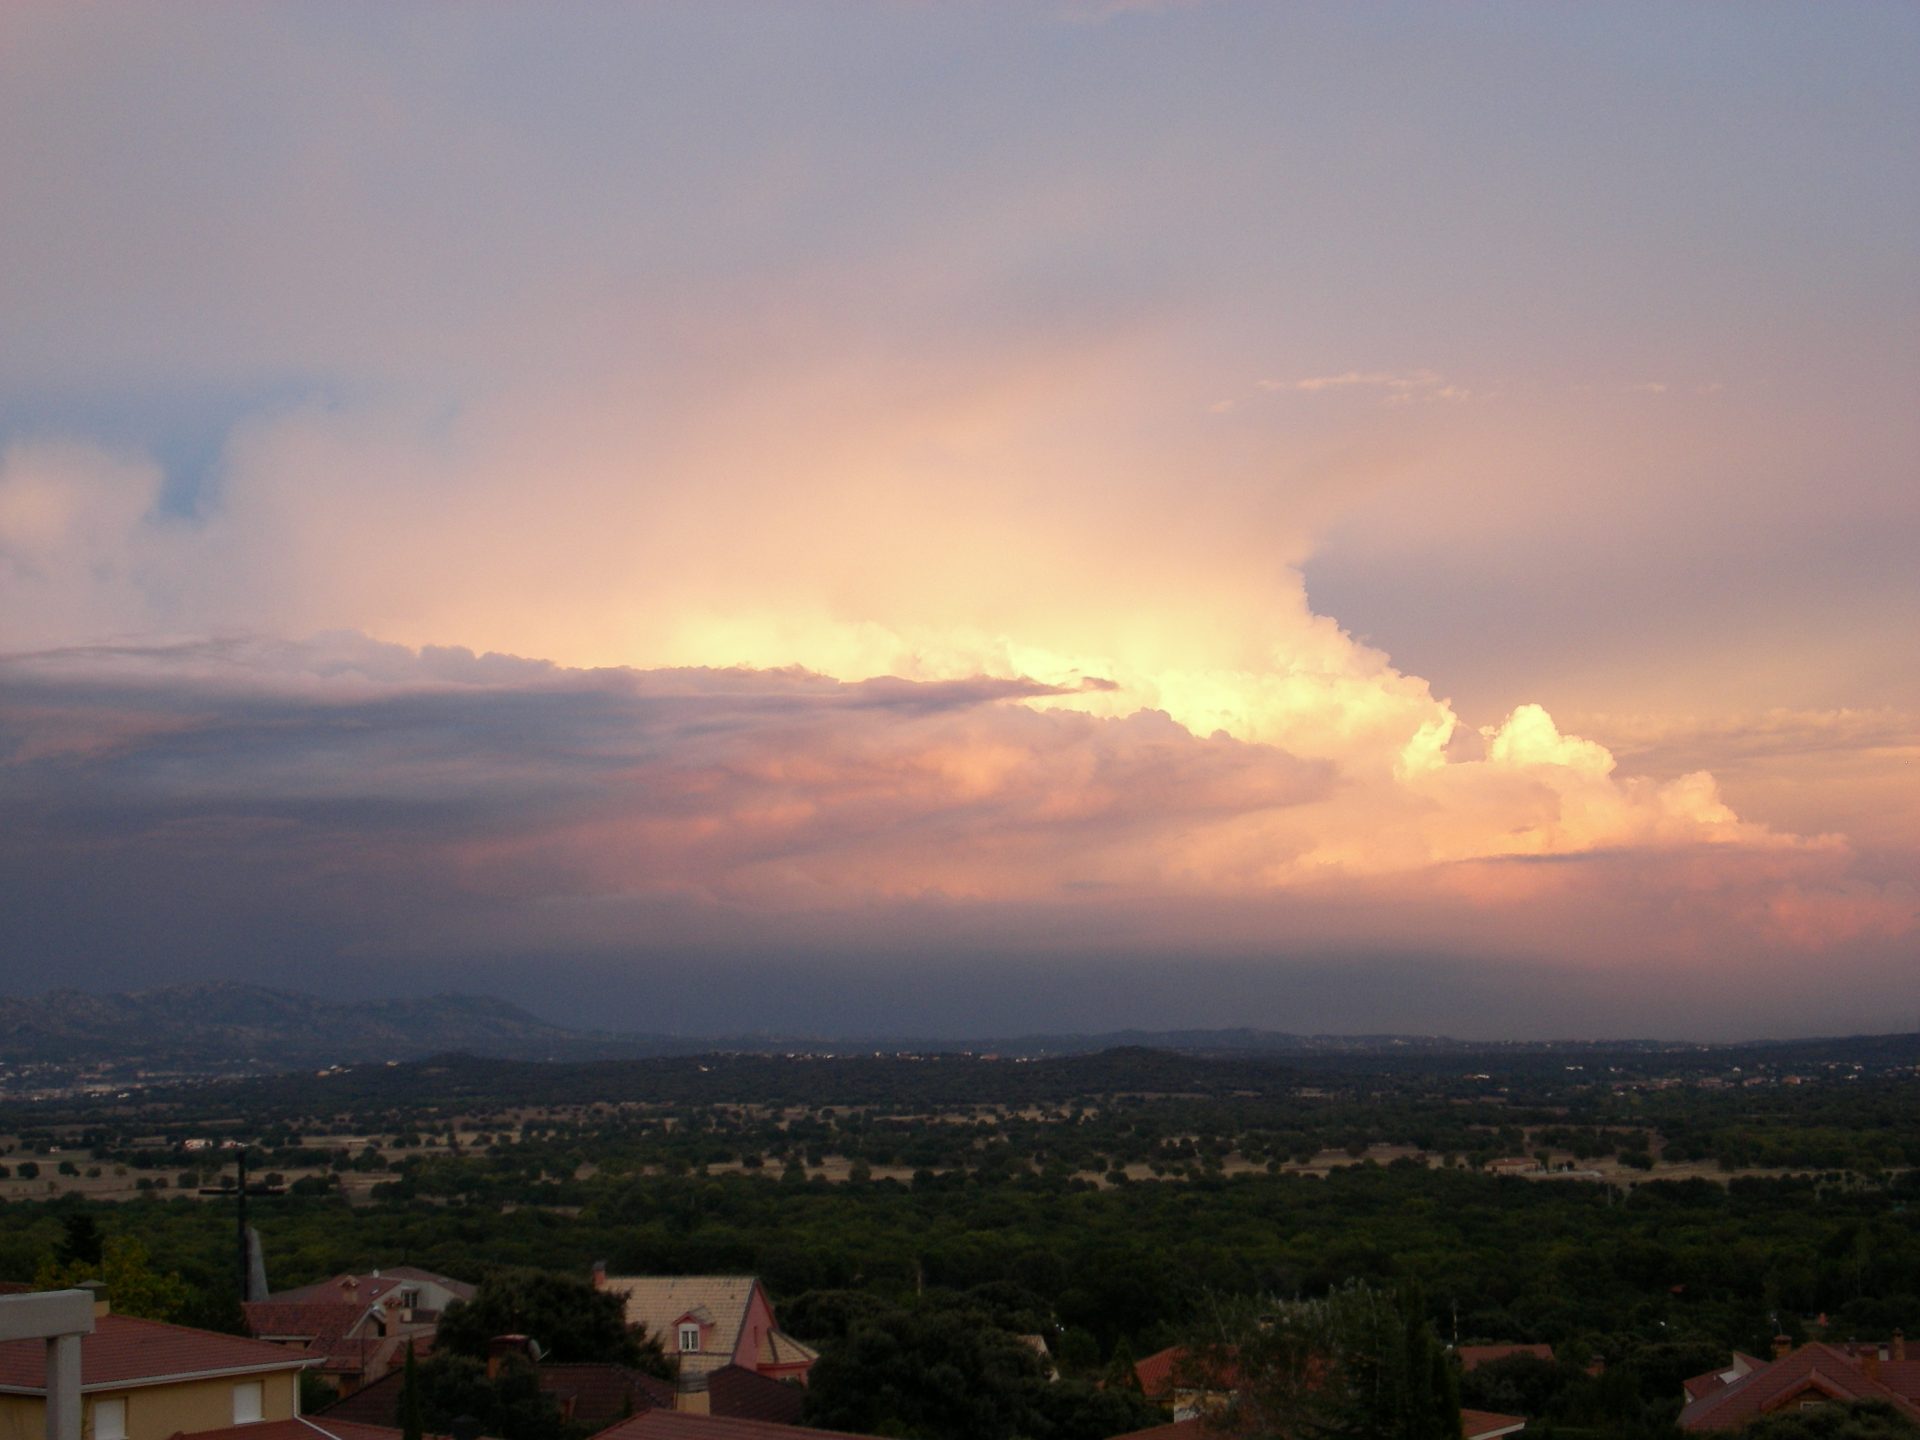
{"type": "Point", "coordinates": [247, 1400]}
{"type": "Point", "coordinates": [110, 1420]}
{"type": "Point", "coordinates": [689, 1338]}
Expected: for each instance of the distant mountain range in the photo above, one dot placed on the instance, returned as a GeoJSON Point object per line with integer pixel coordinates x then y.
{"type": "Point", "coordinates": [225, 1027]}
{"type": "Point", "coordinates": [224, 1024]}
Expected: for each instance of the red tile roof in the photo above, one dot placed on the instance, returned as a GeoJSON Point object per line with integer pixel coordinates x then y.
{"type": "Point", "coordinates": [684, 1425]}
{"type": "Point", "coordinates": [1484, 1424]}
{"type": "Point", "coordinates": [1472, 1357]}
{"type": "Point", "coordinates": [303, 1319]}
{"type": "Point", "coordinates": [298, 1428]}
{"type": "Point", "coordinates": [1716, 1380]}
{"type": "Point", "coordinates": [1176, 1368]}
{"type": "Point", "coordinates": [368, 1288]}
{"type": "Point", "coordinates": [1173, 1430]}
{"type": "Point", "coordinates": [737, 1393]}
{"type": "Point", "coordinates": [600, 1394]}
{"type": "Point", "coordinates": [1155, 1371]}
{"type": "Point", "coordinates": [125, 1351]}
{"type": "Point", "coordinates": [1821, 1369]}
{"type": "Point", "coordinates": [374, 1404]}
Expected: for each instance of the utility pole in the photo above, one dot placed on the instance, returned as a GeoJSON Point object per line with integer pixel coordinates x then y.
{"type": "Point", "coordinates": [242, 1237]}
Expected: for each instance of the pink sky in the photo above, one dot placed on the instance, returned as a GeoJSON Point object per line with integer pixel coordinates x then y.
{"type": "Point", "coordinates": [1296, 494]}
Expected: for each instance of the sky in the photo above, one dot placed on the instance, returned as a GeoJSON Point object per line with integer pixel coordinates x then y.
{"type": "Point", "coordinates": [887, 518]}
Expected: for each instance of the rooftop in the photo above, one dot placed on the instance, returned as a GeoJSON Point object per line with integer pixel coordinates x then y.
{"type": "Point", "coordinates": [124, 1351]}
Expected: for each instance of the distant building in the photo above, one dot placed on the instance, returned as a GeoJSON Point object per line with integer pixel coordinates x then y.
{"type": "Point", "coordinates": [1799, 1379]}
{"type": "Point", "coordinates": [710, 1321]}
{"type": "Point", "coordinates": [357, 1327]}
{"type": "Point", "coordinates": [1190, 1386]}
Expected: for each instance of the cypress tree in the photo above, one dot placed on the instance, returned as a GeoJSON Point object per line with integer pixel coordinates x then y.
{"type": "Point", "coordinates": [411, 1426]}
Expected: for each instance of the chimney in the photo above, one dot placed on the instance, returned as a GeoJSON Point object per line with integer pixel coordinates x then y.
{"type": "Point", "coordinates": [1781, 1345]}
{"type": "Point", "coordinates": [1870, 1359]}
{"type": "Point", "coordinates": [599, 1274]}
{"type": "Point", "coordinates": [1900, 1346]}
{"type": "Point", "coordinates": [102, 1303]}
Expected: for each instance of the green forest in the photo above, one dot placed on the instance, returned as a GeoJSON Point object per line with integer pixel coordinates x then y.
{"type": "Point", "coordinates": [1115, 1213]}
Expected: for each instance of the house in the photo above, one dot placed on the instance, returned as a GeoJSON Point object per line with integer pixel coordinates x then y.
{"type": "Point", "coordinates": [410, 1287]}
{"type": "Point", "coordinates": [1186, 1384]}
{"type": "Point", "coordinates": [1800, 1379]}
{"type": "Point", "coordinates": [710, 1321]}
{"type": "Point", "coordinates": [358, 1327]}
{"type": "Point", "coordinates": [1711, 1383]}
{"type": "Point", "coordinates": [144, 1380]}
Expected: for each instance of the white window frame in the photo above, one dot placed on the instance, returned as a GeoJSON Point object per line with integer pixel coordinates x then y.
{"type": "Point", "coordinates": [689, 1331]}
{"type": "Point", "coordinates": [110, 1418]}
{"type": "Point", "coordinates": [249, 1395]}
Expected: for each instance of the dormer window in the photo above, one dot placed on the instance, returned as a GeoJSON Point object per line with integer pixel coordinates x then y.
{"type": "Point", "coordinates": [689, 1338]}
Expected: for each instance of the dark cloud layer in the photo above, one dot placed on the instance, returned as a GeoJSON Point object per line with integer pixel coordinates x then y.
{"type": "Point", "coordinates": [731, 848]}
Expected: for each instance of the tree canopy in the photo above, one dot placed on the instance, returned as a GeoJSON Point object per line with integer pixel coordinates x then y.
{"type": "Point", "coordinates": [567, 1318]}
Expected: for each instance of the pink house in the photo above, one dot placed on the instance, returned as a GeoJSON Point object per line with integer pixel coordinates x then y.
{"type": "Point", "coordinates": [709, 1321]}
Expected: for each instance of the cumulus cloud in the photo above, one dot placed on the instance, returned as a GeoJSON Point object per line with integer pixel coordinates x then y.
{"type": "Point", "coordinates": [441, 780]}
{"type": "Point", "coordinates": [671, 399]}
{"type": "Point", "coordinates": [81, 551]}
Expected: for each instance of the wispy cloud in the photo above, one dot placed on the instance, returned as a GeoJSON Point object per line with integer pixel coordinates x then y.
{"type": "Point", "coordinates": [1362, 379]}
{"type": "Point", "coordinates": [1395, 387]}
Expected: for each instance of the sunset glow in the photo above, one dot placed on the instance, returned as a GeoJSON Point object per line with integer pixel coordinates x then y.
{"type": "Point", "coordinates": [498, 500]}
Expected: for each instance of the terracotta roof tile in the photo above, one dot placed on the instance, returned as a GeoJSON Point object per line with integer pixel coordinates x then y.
{"type": "Point", "coordinates": [1175, 1368]}
{"type": "Point", "coordinates": [777, 1348]}
{"type": "Point", "coordinates": [601, 1394]}
{"type": "Point", "coordinates": [125, 1351]}
{"type": "Point", "coordinates": [305, 1319]}
{"type": "Point", "coordinates": [1485, 1424]}
{"type": "Point", "coordinates": [737, 1393]}
{"type": "Point", "coordinates": [370, 1287]}
{"type": "Point", "coordinates": [374, 1404]}
{"type": "Point", "coordinates": [1820, 1368]}
{"type": "Point", "coordinates": [659, 1301]}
